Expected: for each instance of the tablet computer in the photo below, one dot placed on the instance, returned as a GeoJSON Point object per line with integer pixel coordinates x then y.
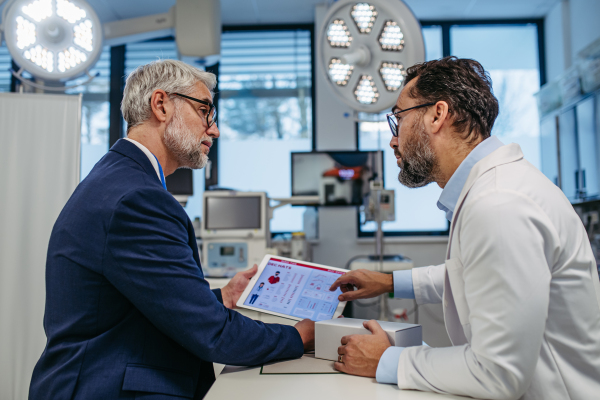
{"type": "Point", "coordinates": [293, 289]}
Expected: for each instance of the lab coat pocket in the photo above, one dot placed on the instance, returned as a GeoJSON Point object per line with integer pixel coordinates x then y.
{"type": "Point", "coordinates": [457, 283]}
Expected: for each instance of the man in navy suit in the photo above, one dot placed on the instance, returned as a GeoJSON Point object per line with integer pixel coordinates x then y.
{"type": "Point", "coordinates": [128, 311]}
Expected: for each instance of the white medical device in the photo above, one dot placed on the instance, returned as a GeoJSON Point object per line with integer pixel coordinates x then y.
{"type": "Point", "coordinates": [235, 231]}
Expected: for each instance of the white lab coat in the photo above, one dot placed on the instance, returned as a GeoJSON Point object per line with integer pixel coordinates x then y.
{"type": "Point", "coordinates": [520, 293]}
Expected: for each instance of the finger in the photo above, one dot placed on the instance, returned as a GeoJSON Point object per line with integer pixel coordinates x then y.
{"type": "Point", "coordinates": [342, 350]}
{"type": "Point", "coordinates": [374, 327]}
{"type": "Point", "coordinates": [340, 367]}
{"type": "Point", "coordinates": [345, 339]}
{"type": "Point", "coordinates": [353, 295]}
{"type": "Point", "coordinates": [346, 288]}
{"type": "Point", "coordinates": [251, 272]}
{"type": "Point", "coordinates": [342, 280]}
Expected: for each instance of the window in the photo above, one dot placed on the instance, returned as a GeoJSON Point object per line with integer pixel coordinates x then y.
{"type": "Point", "coordinates": [137, 54]}
{"type": "Point", "coordinates": [5, 65]}
{"type": "Point", "coordinates": [509, 52]}
{"type": "Point", "coordinates": [265, 112]}
{"type": "Point", "coordinates": [94, 113]}
{"type": "Point", "coordinates": [416, 210]}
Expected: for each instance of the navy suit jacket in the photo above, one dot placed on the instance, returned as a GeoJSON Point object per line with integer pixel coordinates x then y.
{"type": "Point", "coordinates": [128, 311]}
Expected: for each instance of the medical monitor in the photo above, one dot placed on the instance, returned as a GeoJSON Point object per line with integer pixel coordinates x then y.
{"type": "Point", "coordinates": [234, 214]}
{"type": "Point", "coordinates": [181, 182]}
{"type": "Point", "coordinates": [339, 178]}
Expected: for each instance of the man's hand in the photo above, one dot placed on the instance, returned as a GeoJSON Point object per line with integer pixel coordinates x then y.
{"type": "Point", "coordinates": [306, 329]}
{"type": "Point", "coordinates": [363, 284]}
{"type": "Point", "coordinates": [360, 354]}
{"type": "Point", "coordinates": [236, 286]}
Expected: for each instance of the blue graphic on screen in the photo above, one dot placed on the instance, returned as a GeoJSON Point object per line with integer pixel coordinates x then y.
{"type": "Point", "coordinates": [295, 289]}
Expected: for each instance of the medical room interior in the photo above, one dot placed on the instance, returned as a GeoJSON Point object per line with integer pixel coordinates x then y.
{"type": "Point", "coordinates": [302, 175]}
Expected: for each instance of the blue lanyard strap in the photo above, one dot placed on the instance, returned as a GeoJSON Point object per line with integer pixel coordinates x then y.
{"type": "Point", "coordinates": [162, 175]}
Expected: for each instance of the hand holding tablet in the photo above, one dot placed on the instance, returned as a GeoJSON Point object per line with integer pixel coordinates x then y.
{"type": "Point", "coordinates": [293, 289]}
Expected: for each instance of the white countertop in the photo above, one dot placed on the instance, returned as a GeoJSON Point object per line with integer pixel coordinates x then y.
{"type": "Point", "coordinates": [247, 383]}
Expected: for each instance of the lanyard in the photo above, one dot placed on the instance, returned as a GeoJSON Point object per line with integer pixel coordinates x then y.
{"type": "Point", "coordinates": [162, 175]}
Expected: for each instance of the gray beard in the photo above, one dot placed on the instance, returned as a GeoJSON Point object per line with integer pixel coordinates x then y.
{"type": "Point", "coordinates": [418, 162]}
{"type": "Point", "coordinates": [182, 143]}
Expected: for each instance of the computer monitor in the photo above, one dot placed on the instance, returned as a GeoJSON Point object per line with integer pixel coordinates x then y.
{"type": "Point", "coordinates": [181, 182]}
{"type": "Point", "coordinates": [234, 214]}
{"type": "Point", "coordinates": [337, 177]}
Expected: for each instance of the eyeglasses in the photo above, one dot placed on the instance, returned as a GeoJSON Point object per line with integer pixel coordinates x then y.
{"type": "Point", "coordinates": [211, 114]}
{"type": "Point", "coordinates": [392, 117]}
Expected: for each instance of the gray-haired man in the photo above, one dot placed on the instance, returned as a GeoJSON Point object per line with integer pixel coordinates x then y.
{"type": "Point", "coordinates": [128, 311]}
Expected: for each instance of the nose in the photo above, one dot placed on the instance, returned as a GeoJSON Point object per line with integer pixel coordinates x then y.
{"type": "Point", "coordinates": [394, 142]}
{"type": "Point", "coordinates": [213, 131]}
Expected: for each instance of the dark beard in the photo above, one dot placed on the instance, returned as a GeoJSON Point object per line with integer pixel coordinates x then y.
{"type": "Point", "coordinates": [418, 163]}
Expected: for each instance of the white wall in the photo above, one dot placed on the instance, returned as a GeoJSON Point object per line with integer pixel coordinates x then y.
{"type": "Point", "coordinates": [569, 27]}
{"type": "Point", "coordinates": [338, 229]}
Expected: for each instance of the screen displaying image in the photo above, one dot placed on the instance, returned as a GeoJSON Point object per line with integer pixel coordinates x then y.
{"type": "Point", "coordinates": [296, 289]}
{"type": "Point", "coordinates": [339, 178]}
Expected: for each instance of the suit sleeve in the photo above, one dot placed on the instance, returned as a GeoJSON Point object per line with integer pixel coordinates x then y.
{"type": "Point", "coordinates": [428, 283]}
{"type": "Point", "coordinates": [506, 244]}
{"type": "Point", "coordinates": [152, 264]}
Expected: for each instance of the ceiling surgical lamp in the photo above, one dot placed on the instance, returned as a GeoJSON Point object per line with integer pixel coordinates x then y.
{"type": "Point", "coordinates": [53, 40]}
{"type": "Point", "coordinates": [364, 49]}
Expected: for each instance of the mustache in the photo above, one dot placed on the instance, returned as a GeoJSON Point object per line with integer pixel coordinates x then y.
{"type": "Point", "coordinates": [397, 152]}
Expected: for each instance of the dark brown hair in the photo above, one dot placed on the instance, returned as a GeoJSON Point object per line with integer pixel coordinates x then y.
{"type": "Point", "coordinates": [465, 86]}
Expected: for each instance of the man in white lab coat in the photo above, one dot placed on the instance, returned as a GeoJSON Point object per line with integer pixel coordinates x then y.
{"type": "Point", "coordinates": [519, 288]}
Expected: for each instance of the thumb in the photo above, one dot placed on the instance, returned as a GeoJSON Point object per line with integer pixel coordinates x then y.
{"type": "Point", "coordinates": [374, 327]}
{"type": "Point", "coordinates": [251, 272]}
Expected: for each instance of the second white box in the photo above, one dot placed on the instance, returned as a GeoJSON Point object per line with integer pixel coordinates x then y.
{"type": "Point", "coordinates": [329, 333]}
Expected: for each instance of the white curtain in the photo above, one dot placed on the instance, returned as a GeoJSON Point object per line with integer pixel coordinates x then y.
{"type": "Point", "coordinates": [39, 169]}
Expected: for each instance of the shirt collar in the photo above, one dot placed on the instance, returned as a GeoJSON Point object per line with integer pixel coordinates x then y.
{"type": "Point", "coordinates": [451, 193]}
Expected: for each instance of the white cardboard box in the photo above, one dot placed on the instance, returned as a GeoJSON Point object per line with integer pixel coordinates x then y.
{"type": "Point", "coordinates": [329, 333]}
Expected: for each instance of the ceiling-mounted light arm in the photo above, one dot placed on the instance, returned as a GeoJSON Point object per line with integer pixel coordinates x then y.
{"type": "Point", "coordinates": [19, 75]}
{"type": "Point", "coordinates": [125, 31]}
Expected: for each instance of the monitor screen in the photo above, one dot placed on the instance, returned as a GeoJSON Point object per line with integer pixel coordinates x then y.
{"type": "Point", "coordinates": [337, 177]}
{"type": "Point", "coordinates": [181, 182]}
{"type": "Point", "coordinates": [243, 212]}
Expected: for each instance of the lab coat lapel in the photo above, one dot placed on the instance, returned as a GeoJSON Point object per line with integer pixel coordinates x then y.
{"type": "Point", "coordinates": [454, 304]}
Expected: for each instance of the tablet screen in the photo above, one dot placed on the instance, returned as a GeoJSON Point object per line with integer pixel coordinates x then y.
{"type": "Point", "coordinates": [296, 289]}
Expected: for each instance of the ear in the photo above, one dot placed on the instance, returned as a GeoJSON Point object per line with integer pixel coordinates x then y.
{"type": "Point", "coordinates": [439, 117]}
{"type": "Point", "coordinates": [161, 104]}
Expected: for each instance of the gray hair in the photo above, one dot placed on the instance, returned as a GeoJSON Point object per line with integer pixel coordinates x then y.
{"type": "Point", "coordinates": [172, 76]}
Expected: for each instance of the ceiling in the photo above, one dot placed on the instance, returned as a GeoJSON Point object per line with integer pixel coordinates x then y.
{"type": "Point", "coordinates": [257, 12]}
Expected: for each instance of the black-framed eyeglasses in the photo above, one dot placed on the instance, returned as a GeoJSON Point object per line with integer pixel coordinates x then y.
{"type": "Point", "coordinates": [211, 114]}
{"type": "Point", "coordinates": [392, 117]}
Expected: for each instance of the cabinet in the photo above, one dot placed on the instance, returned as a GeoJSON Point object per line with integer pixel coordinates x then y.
{"type": "Point", "coordinates": [570, 148]}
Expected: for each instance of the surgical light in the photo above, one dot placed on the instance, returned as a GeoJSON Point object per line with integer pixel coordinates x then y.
{"type": "Point", "coordinates": [366, 92]}
{"type": "Point", "coordinates": [364, 61]}
{"type": "Point", "coordinates": [392, 74]}
{"type": "Point", "coordinates": [338, 35]}
{"type": "Point", "coordinates": [54, 40]}
{"type": "Point", "coordinates": [391, 37]}
{"type": "Point", "coordinates": [38, 10]}
{"type": "Point", "coordinates": [364, 16]}
{"type": "Point", "coordinates": [339, 72]}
